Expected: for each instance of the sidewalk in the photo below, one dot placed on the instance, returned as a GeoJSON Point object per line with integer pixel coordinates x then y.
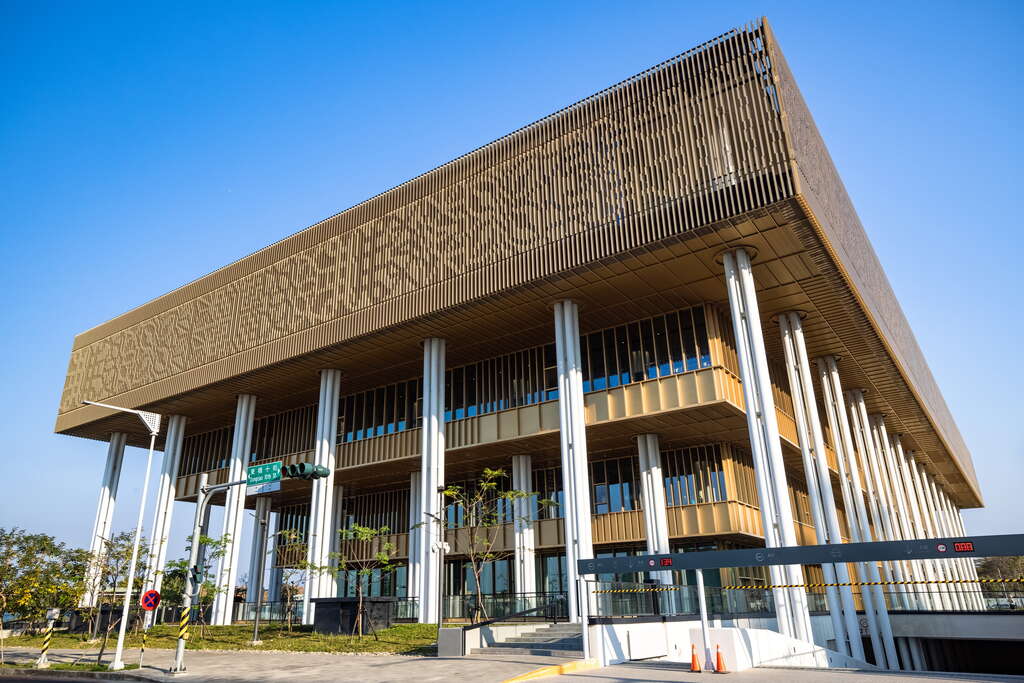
{"type": "Point", "coordinates": [228, 666]}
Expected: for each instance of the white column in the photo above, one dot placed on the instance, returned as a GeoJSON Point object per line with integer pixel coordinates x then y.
{"type": "Point", "coordinates": [276, 573]}
{"type": "Point", "coordinates": [952, 570]}
{"type": "Point", "coordinates": [414, 571]}
{"type": "Point", "coordinates": [960, 563]}
{"type": "Point", "coordinates": [431, 541]}
{"type": "Point", "coordinates": [331, 586]}
{"type": "Point", "coordinates": [946, 595]}
{"type": "Point", "coordinates": [766, 448]}
{"type": "Point", "coordinates": [853, 498]}
{"type": "Point", "coordinates": [523, 515]}
{"type": "Point", "coordinates": [876, 488]}
{"type": "Point", "coordinates": [164, 503]}
{"type": "Point", "coordinates": [101, 526]}
{"type": "Point", "coordinates": [320, 535]}
{"type": "Point", "coordinates": [972, 570]}
{"type": "Point", "coordinates": [234, 509]}
{"type": "Point", "coordinates": [901, 518]}
{"type": "Point", "coordinates": [255, 564]}
{"type": "Point", "coordinates": [652, 485]}
{"type": "Point", "coordinates": [819, 483]}
{"type": "Point", "coordinates": [573, 438]}
{"type": "Point", "coordinates": [853, 420]}
{"type": "Point", "coordinates": [927, 568]}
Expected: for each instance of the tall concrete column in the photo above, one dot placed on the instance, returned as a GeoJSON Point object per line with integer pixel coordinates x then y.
{"type": "Point", "coordinates": [320, 534]}
{"type": "Point", "coordinates": [901, 520]}
{"type": "Point", "coordinates": [962, 564]}
{"type": "Point", "coordinates": [971, 569]}
{"type": "Point", "coordinates": [573, 437]}
{"type": "Point", "coordinates": [765, 446]}
{"type": "Point", "coordinates": [876, 487]}
{"type": "Point", "coordinates": [164, 503]}
{"type": "Point", "coordinates": [852, 418]}
{"type": "Point", "coordinates": [926, 568]}
{"type": "Point", "coordinates": [431, 533]}
{"type": "Point", "coordinates": [276, 574]}
{"type": "Point", "coordinates": [946, 596]}
{"type": "Point", "coordinates": [652, 489]}
{"type": "Point", "coordinates": [102, 525]}
{"type": "Point", "coordinates": [943, 530]}
{"type": "Point", "coordinates": [856, 512]}
{"type": "Point", "coordinates": [414, 571]}
{"type": "Point", "coordinates": [525, 558]}
{"type": "Point", "coordinates": [234, 511]}
{"type": "Point", "coordinates": [842, 609]}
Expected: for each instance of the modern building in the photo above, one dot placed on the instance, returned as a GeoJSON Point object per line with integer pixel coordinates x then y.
{"type": "Point", "coordinates": [656, 307]}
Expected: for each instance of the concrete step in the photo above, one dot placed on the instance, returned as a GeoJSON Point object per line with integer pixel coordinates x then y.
{"type": "Point", "coordinates": [572, 644]}
{"type": "Point", "coordinates": [543, 637]}
{"type": "Point", "coordinates": [535, 651]}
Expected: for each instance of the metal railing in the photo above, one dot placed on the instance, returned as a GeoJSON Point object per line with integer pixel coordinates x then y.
{"type": "Point", "coordinates": [506, 606]}
{"type": "Point", "coordinates": [622, 599]}
{"type": "Point", "coordinates": [269, 611]}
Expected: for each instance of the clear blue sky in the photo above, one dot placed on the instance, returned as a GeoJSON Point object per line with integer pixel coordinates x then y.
{"type": "Point", "coordinates": [144, 146]}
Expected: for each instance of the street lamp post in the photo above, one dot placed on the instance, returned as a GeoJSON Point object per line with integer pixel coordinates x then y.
{"type": "Point", "coordinates": [152, 422]}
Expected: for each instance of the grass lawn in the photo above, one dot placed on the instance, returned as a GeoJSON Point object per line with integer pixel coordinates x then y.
{"type": "Point", "coordinates": [400, 638]}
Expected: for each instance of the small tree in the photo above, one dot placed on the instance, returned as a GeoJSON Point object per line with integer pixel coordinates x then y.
{"type": "Point", "coordinates": [36, 573]}
{"type": "Point", "coordinates": [363, 551]}
{"type": "Point", "coordinates": [109, 576]}
{"type": "Point", "coordinates": [173, 587]}
{"type": "Point", "coordinates": [483, 511]}
{"type": "Point", "coordinates": [288, 542]}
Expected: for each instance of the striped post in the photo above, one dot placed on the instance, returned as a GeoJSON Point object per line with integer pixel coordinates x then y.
{"type": "Point", "coordinates": [142, 652]}
{"type": "Point", "coordinates": [183, 624]}
{"type": "Point", "coordinates": [43, 662]}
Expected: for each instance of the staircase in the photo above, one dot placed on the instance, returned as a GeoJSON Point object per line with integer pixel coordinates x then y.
{"type": "Point", "coordinates": [554, 640]}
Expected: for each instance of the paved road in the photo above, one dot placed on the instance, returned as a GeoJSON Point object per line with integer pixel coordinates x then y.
{"type": "Point", "coordinates": [659, 672]}
{"type": "Point", "coordinates": [231, 667]}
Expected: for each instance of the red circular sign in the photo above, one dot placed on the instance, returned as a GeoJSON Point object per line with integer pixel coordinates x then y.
{"type": "Point", "coordinates": [149, 600]}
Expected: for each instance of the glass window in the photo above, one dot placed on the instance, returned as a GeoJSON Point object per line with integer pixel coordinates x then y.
{"type": "Point", "coordinates": [701, 331]}
{"type": "Point", "coordinates": [596, 356]}
{"type": "Point", "coordinates": [675, 344]}
{"type": "Point", "coordinates": [689, 343]}
{"type": "Point", "coordinates": [661, 347]}
{"type": "Point", "coordinates": [650, 360]}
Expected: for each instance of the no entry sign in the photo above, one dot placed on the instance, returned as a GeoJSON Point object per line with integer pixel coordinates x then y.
{"type": "Point", "coordinates": [149, 600]}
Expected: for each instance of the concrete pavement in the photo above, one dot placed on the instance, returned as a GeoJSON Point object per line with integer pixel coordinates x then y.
{"type": "Point", "coordinates": [227, 666]}
{"type": "Point", "coordinates": [662, 672]}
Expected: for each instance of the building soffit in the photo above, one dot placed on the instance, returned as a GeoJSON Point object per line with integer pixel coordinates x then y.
{"type": "Point", "coordinates": [655, 268]}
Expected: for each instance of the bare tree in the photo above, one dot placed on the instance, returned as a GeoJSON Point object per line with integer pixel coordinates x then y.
{"type": "Point", "coordinates": [363, 551]}
{"type": "Point", "coordinates": [481, 514]}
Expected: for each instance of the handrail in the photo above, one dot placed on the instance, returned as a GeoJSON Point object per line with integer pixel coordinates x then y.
{"type": "Point", "coordinates": [560, 598]}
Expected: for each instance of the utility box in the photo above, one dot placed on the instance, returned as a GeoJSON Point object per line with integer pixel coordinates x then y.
{"type": "Point", "coordinates": [338, 615]}
{"type": "Point", "coordinates": [451, 642]}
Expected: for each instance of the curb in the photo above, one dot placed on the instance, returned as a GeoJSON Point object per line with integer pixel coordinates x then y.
{"type": "Point", "coordinates": [556, 670]}
{"type": "Point", "coordinates": [17, 672]}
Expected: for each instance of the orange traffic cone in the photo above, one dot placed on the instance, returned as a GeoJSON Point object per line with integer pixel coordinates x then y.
{"type": "Point", "coordinates": [719, 661]}
{"type": "Point", "coordinates": [694, 661]}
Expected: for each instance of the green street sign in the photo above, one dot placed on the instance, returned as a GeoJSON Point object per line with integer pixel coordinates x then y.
{"type": "Point", "coordinates": [263, 474]}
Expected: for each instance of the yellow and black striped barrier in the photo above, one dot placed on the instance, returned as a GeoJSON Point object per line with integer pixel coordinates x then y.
{"type": "Point", "coordinates": [659, 589]}
{"type": "Point", "coordinates": [43, 662]}
{"type": "Point", "coordinates": [183, 624]}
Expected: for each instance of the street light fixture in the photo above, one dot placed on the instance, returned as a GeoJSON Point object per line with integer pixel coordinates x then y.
{"type": "Point", "coordinates": [152, 422]}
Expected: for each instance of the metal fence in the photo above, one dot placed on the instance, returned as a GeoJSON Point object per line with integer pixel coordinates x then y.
{"type": "Point", "coordinates": [502, 605]}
